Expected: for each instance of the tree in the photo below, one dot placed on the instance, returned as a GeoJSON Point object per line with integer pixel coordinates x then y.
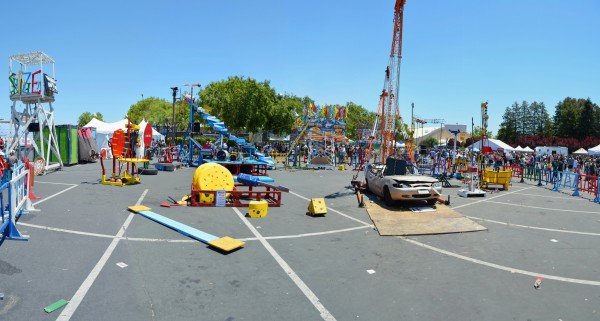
{"type": "Point", "coordinates": [153, 110]}
{"type": "Point", "coordinates": [478, 132]}
{"type": "Point", "coordinates": [86, 117]}
{"type": "Point", "coordinates": [508, 131]}
{"type": "Point", "coordinates": [566, 118]}
{"type": "Point", "coordinates": [524, 119]}
{"type": "Point", "coordinates": [282, 114]}
{"type": "Point", "coordinates": [242, 103]}
{"type": "Point", "coordinates": [430, 142]}
{"type": "Point", "coordinates": [577, 118]}
{"type": "Point", "coordinates": [358, 118]}
{"type": "Point", "coordinates": [588, 121]}
{"type": "Point", "coordinates": [541, 123]}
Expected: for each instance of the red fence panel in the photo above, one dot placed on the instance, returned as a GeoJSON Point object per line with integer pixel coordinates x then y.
{"type": "Point", "coordinates": [588, 184]}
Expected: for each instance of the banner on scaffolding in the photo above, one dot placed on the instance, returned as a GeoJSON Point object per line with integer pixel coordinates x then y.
{"type": "Point", "coordinates": [333, 112]}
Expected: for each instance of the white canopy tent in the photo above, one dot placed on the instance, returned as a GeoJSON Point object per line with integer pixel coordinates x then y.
{"type": "Point", "coordinates": [105, 130]}
{"type": "Point", "coordinates": [519, 149]}
{"type": "Point", "coordinates": [495, 144]}
{"type": "Point", "coordinates": [528, 149]}
{"type": "Point", "coordinates": [580, 151]}
{"type": "Point", "coordinates": [155, 133]}
{"type": "Point", "coordinates": [594, 151]}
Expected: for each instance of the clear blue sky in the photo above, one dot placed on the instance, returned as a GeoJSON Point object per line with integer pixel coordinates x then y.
{"type": "Point", "coordinates": [456, 53]}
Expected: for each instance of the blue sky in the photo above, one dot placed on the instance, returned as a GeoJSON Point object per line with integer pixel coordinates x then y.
{"type": "Point", "coordinates": [455, 54]}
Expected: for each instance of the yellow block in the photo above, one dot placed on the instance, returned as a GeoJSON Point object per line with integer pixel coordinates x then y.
{"type": "Point", "coordinates": [342, 167]}
{"type": "Point", "coordinates": [226, 243]}
{"type": "Point", "coordinates": [138, 208]}
{"type": "Point", "coordinates": [258, 209]}
{"type": "Point", "coordinates": [317, 206]}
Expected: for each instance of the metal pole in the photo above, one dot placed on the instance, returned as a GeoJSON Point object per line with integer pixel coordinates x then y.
{"type": "Point", "coordinates": [174, 89]}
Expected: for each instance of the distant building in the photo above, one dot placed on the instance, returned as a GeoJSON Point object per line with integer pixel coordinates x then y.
{"type": "Point", "coordinates": [440, 133]}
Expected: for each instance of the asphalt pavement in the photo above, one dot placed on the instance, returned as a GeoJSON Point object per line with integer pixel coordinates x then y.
{"type": "Point", "coordinates": [294, 266]}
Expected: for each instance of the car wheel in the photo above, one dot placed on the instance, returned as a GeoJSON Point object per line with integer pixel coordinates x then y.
{"type": "Point", "coordinates": [387, 197]}
{"type": "Point", "coordinates": [431, 202]}
{"type": "Point", "coordinates": [367, 185]}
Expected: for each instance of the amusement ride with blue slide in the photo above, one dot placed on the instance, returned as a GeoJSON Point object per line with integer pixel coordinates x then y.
{"type": "Point", "coordinates": [218, 126]}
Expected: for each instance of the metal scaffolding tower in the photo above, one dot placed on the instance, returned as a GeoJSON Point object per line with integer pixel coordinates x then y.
{"type": "Point", "coordinates": [32, 91]}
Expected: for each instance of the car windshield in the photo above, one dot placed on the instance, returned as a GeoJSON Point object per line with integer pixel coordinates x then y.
{"type": "Point", "coordinates": [399, 167]}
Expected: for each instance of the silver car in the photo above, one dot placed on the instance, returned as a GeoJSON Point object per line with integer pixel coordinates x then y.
{"type": "Point", "coordinates": [399, 180]}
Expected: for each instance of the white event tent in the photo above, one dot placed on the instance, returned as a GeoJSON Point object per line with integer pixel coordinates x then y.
{"type": "Point", "coordinates": [594, 150]}
{"type": "Point", "coordinates": [495, 144]}
{"type": "Point", "coordinates": [104, 131]}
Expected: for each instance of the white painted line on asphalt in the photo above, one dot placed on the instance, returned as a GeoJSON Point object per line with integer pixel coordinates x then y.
{"type": "Point", "coordinates": [71, 307]}
{"type": "Point", "coordinates": [545, 208]}
{"type": "Point", "coordinates": [146, 239]}
{"type": "Point", "coordinates": [534, 227]}
{"type": "Point", "coordinates": [66, 230]}
{"type": "Point", "coordinates": [54, 195]}
{"type": "Point", "coordinates": [501, 267]}
{"type": "Point", "coordinates": [490, 198]}
{"type": "Point", "coordinates": [68, 184]}
{"type": "Point", "coordinates": [288, 270]}
{"type": "Point", "coordinates": [572, 198]}
{"type": "Point", "coordinates": [335, 211]}
{"type": "Point", "coordinates": [314, 233]}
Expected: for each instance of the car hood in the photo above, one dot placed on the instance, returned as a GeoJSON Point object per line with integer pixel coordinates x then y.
{"type": "Point", "coordinates": [413, 178]}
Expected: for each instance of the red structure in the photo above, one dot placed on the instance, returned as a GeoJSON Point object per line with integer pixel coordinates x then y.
{"type": "Point", "coordinates": [388, 111]}
{"type": "Point", "coordinates": [239, 197]}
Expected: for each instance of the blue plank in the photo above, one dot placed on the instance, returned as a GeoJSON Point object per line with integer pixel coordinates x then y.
{"type": "Point", "coordinates": [262, 179]}
{"type": "Point", "coordinates": [179, 227]}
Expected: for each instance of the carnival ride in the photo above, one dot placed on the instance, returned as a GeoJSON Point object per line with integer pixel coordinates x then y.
{"type": "Point", "coordinates": [194, 154]}
{"type": "Point", "coordinates": [320, 129]}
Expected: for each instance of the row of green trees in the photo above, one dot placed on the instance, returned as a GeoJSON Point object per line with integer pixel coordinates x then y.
{"type": "Point", "coordinates": [574, 118]}
{"type": "Point", "coordinates": [524, 119]}
{"type": "Point", "coordinates": [244, 104]}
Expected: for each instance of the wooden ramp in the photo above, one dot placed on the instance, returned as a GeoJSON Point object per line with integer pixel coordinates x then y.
{"type": "Point", "coordinates": [401, 221]}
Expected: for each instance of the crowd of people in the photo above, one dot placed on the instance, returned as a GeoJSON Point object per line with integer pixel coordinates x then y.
{"type": "Point", "coordinates": [354, 153]}
{"type": "Point", "coordinates": [583, 164]}
{"type": "Point", "coordinates": [341, 153]}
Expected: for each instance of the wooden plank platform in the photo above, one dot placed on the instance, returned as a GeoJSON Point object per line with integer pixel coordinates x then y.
{"type": "Point", "coordinates": [401, 221]}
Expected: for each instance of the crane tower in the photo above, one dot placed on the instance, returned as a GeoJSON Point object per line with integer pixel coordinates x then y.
{"type": "Point", "coordinates": [388, 111]}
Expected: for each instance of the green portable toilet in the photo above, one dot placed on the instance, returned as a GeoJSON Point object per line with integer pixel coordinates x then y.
{"type": "Point", "coordinates": [68, 144]}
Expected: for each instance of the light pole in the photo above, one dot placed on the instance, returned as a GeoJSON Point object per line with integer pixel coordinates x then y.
{"type": "Point", "coordinates": [174, 89]}
{"type": "Point", "coordinates": [191, 123]}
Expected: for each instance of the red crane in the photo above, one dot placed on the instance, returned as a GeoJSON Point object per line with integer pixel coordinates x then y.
{"type": "Point", "coordinates": [388, 111]}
